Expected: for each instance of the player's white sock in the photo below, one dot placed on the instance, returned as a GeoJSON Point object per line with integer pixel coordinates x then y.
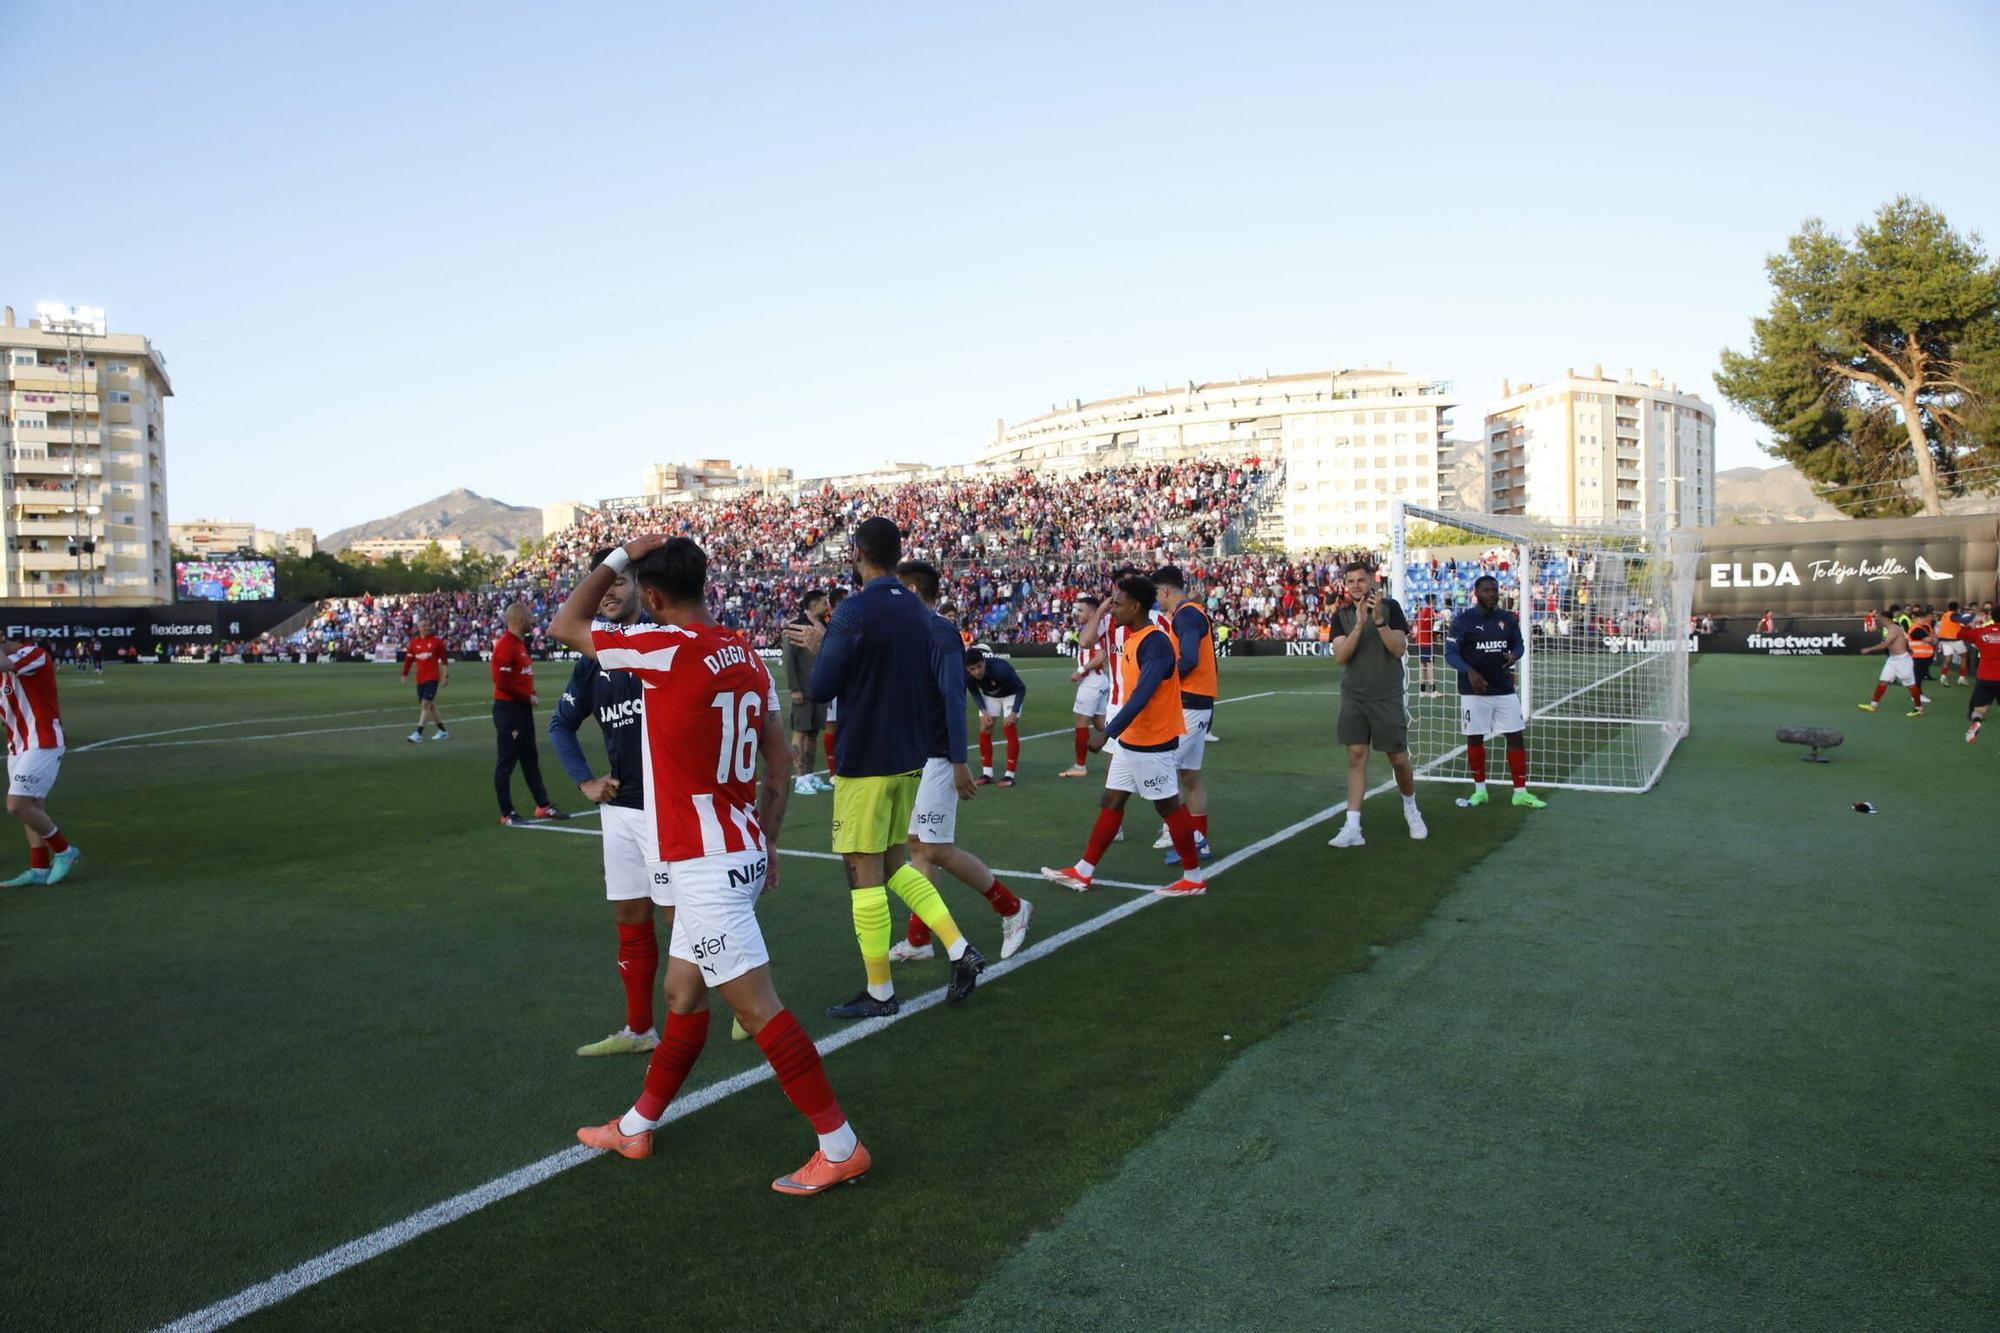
{"type": "Point", "coordinates": [1086, 868]}
{"type": "Point", "coordinates": [956, 949]}
{"type": "Point", "coordinates": [1353, 819]}
{"type": "Point", "coordinates": [839, 1145]}
{"type": "Point", "coordinates": [1410, 804]}
{"type": "Point", "coordinates": [634, 1123]}
{"type": "Point", "coordinates": [986, 772]}
{"type": "Point", "coordinates": [881, 991]}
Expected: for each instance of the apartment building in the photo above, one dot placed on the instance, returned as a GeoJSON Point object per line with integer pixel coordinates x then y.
{"type": "Point", "coordinates": [1592, 449]}
{"type": "Point", "coordinates": [223, 537]}
{"type": "Point", "coordinates": [83, 490]}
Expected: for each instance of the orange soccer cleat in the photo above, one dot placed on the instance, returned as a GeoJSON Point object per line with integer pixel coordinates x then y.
{"type": "Point", "coordinates": [819, 1175]}
{"type": "Point", "coordinates": [608, 1137]}
{"type": "Point", "coordinates": [1183, 888]}
{"type": "Point", "coordinates": [1067, 877]}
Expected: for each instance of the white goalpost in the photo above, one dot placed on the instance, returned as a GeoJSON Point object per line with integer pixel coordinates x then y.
{"type": "Point", "coordinates": [1605, 617]}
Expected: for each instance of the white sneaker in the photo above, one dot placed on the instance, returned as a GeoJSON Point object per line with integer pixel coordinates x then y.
{"type": "Point", "coordinates": [905, 952]}
{"type": "Point", "coordinates": [1120, 837]}
{"type": "Point", "coordinates": [1349, 836]}
{"type": "Point", "coordinates": [1166, 839]}
{"type": "Point", "coordinates": [414, 737]}
{"type": "Point", "coordinates": [820, 784]}
{"type": "Point", "coordinates": [441, 735]}
{"type": "Point", "coordinates": [804, 786]}
{"type": "Point", "coordinates": [1014, 930]}
{"type": "Point", "coordinates": [1418, 830]}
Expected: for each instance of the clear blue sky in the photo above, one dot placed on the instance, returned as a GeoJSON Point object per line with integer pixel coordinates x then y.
{"type": "Point", "coordinates": [528, 248]}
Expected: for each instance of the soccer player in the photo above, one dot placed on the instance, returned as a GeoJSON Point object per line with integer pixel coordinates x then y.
{"type": "Point", "coordinates": [875, 657]}
{"type": "Point", "coordinates": [1951, 643]}
{"type": "Point", "coordinates": [1194, 664]}
{"type": "Point", "coordinates": [514, 700]}
{"type": "Point", "coordinates": [35, 745]}
{"type": "Point", "coordinates": [1002, 696]}
{"type": "Point", "coordinates": [1093, 687]}
{"type": "Point", "coordinates": [808, 715]}
{"type": "Point", "coordinates": [1483, 645]}
{"type": "Point", "coordinates": [1985, 638]}
{"type": "Point", "coordinates": [710, 711]}
{"type": "Point", "coordinates": [933, 840]}
{"type": "Point", "coordinates": [1148, 729]}
{"type": "Point", "coordinates": [615, 699]}
{"type": "Point", "coordinates": [1899, 669]}
{"type": "Point", "coordinates": [1373, 636]}
{"type": "Point", "coordinates": [1923, 648]}
{"type": "Point", "coordinates": [427, 655]}
{"type": "Point", "coordinates": [1426, 637]}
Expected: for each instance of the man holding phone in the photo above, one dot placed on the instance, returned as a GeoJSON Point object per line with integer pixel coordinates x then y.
{"type": "Point", "coordinates": [1373, 636]}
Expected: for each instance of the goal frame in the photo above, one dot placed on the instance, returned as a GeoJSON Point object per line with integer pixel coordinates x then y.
{"type": "Point", "coordinates": [1519, 534]}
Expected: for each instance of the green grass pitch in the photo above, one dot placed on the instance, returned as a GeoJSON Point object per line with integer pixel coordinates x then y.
{"type": "Point", "coordinates": [303, 986]}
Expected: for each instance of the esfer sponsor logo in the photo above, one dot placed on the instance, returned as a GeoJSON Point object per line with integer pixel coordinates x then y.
{"type": "Point", "coordinates": [709, 946]}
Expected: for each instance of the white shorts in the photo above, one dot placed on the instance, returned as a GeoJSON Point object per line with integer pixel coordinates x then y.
{"type": "Point", "coordinates": [1490, 714]}
{"type": "Point", "coordinates": [934, 818]}
{"type": "Point", "coordinates": [1147, 773]}
{"type": "Point", "coordinates": [715, 913]}
{"type": "Point", "coordinates": [1092, 692]}
{"type": "Point", "coordinates": [1951, 647]}
{"type": "Point", "coordinates": [33, 772]}
{"type": "Point", "coordinates": [1900, 670]}
{"type": "Point", "coordinates": [628, 874]}
{"type": "Point", "coordinates": [1187, 757]}
{"type": "Point", "coordinates": [1002, 707]}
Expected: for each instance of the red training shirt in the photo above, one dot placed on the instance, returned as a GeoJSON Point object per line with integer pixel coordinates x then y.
{"type": "Point", "coordinates": [706, 696]}
{"type": "Point", "coordinates": [1426, 619]}
{"type": "Point", "coordinates": [513, 669]}
{"type": "Point", "coordinates": [28, 701]}
{"type": "Point", "coordinates": [1987, 640]}
{"type": "Point", "coordinates": [425, 653]}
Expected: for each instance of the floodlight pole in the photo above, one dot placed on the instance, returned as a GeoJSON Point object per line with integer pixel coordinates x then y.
{"type": "Point", "coordinates": [73, 327]}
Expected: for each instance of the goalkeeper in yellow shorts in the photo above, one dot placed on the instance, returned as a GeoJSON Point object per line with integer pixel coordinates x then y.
{"type": "Point", "coordinates": [874, 656]}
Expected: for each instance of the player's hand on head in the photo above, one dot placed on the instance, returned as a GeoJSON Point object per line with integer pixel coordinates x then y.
{"type": "Point", "coordinates": [645, 544]}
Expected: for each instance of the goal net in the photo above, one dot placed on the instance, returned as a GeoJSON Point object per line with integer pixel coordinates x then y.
{"type": "Point", "coordinates": [1605, 618]}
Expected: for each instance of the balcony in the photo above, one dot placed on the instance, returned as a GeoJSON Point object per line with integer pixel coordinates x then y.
{"type": "Point", "coordinates": [56, 435]}
{"type": "Point", "coordinates": [50, 527]}
{"type": "Point", "coordinates": [35, 462]}
{"type": "Point", "coordinates": [55, 560]}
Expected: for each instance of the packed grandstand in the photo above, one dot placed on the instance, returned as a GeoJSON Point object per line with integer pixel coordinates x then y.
{"type": "Point", "coordinates": [1016, 549]}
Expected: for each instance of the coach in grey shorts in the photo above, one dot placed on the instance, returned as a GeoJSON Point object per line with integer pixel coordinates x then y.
{"type": "Point", "coordinates": [1374, 635]}
{"type": "Point", "coordinates": [807, 715]}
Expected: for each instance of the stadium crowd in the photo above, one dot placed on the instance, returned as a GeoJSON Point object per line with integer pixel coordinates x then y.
{"type": "Point", "coordinates": [1015, 552]}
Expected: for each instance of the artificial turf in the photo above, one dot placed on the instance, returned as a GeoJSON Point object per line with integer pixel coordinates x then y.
{"type": "Point", "coordinates": [304, 986]}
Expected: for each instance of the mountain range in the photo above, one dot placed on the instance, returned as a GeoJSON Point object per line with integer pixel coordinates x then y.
{"type": "Point", "coordinates": [491, 527]}
{"type": "Point", "coordinates": [1781, 495]}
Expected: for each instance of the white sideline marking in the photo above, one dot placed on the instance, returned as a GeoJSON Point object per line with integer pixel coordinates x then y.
{"type": "Point", "coordinates": [343, 1257]}
{"type": "Point", "coordinates": [268, 735]}
{"type": "Point", "coordinates": [238, 722]}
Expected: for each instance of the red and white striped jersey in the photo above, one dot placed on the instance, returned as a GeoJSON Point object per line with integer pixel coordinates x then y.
{"type": "Point", "coordinates": [1114, 635]}
{"type": "Point", "coordinates": [28, 701]}
{"type": "Point", "coordinates": [707, 693]}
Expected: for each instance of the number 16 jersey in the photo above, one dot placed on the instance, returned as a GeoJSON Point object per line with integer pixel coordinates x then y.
{"type": "Point", "coordinates": [706, 696]}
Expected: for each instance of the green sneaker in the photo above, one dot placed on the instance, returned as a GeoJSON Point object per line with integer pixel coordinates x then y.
{"type": "Point", "coordinates": [25, 878]}
{"type": "Point", "coordinates": [622, 1042]}
{"type": "Point", "coordinates": [60, 865]}
{"type": "Point", "coordinates": [1522, 796]}
{"type": "Point", "coordinates": [1479, 796]}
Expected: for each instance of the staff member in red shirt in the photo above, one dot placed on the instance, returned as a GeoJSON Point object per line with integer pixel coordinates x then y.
{"type": "Point", "coordinates": [514, 719]}
{"type": "Point", "coordinates": [427, 655]}
{"type": "Point", "coordinates": [1986, 686]}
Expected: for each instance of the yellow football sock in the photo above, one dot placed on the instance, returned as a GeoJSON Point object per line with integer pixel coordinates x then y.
{"type": "Point", "coordinates": [922, 897]}
{"type": "Point", "coordinates": [871, 932]}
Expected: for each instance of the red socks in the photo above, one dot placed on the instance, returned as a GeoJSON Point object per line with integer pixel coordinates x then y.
{"type": "Point", "coordinates": [1082, 746]}
{"type": "Point", "coordinates": [1881, 689]}
{"type": "Point", "coordinates": [986, 750]}
{"type": "Point", "coordinates": [1475, 759]}
{"type": "Point", "coordinates": [58, 843]}
{"type": "Point", "coordinates": [1102, 833]}
{"type": "Point", "coordinates": [1517, 765]}
{"type": "Point", "coordinates": [1200, 824]}
{"type": "Point", "coordinates": [918, 934]}
{"type": "Point", "coordinates": [1013, 746]}
{"type": "Point", "coordinates": [680, 1046]}
{"type": "Point", "coordinates": [795, 1060]}
{"type": "Point", "coordinates": [1003, 899]}
{"type": "Point", "coordinates": [1181, 825]}
{"type": "Point", "coordinates": [638, 968]}
{"type": "Point", "coordinates": [829, 749]}
{"type": "Point", "coordinates": [1916, 697]}
{"type": "Point", "coordinates": [39, 857]}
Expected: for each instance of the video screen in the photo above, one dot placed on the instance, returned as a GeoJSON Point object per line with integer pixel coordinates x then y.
{"type": "Point", "coordinates": [226, 580]}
